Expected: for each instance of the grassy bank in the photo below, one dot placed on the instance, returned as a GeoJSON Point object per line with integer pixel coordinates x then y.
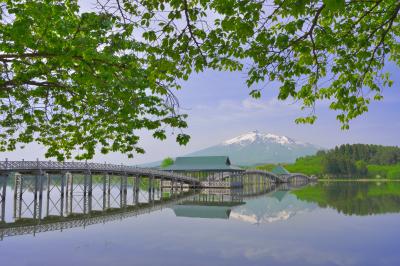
{"type": "Point", "coordinates": [384, 171]}
{"type": "Point", "coordinates": [313, 165]}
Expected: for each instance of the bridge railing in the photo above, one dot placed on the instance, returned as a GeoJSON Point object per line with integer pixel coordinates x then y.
{"type": "Point", "coordinates": [53, 165]}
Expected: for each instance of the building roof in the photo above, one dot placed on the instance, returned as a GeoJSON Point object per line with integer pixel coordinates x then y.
{"type": "Point", "coordinates": [202, 163]}
{"type": "Point", "coordinates": [197, 211]}
{"type": "Point", "coordinates": [280, 170]}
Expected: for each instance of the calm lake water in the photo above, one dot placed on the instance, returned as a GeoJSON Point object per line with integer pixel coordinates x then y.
{"type": "Point", "coordinates": [342, 223]}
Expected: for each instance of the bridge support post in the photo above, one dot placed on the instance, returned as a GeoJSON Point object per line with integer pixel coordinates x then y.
{"type": "Point", "coordinates": [40, 187]}
{"type": "Point", "coordinates": [70, 183]}
{"type": "Point", "coordinates": [149, 189]}
{"type": "Point", "coordinates": [124, 190]}
{"type": "Point", "coordinates": [137, 189]}
{"type": "Point", "coordinates": [3, 197]}
{"type": "Point", "coordinates": [121, 193]}
{"type": "Point", "coordinates": [90, 183]}
{"type": "Point", "coordinates": [121, 185]}
{"type": "Point", "coordinates": [152, 187]}
{"type": "Point", "coordinates": [109, 183]}
{"type": "Point", "coordinates": [161, 187]}
{"type": "Point", "coordinates": [18, 183]}
{"type": "Point", "coordinates": [68, 177]}
{"type": "Point", "coordinates": [48, 194]}
{"type": "Point", "coordinates": [63, 176]}
{"type": "Point", "coordinates": [35, 198]}
{"type": "Point", "coordinates": [85, 183]}
{"type": "Point", "coordinates": [104, 190]}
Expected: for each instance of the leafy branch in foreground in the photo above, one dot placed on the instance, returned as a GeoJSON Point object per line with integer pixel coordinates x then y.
{"type": "Point", "coordinates": [74, 81]}
{"type": "Point", "coordinates": [330, 50]}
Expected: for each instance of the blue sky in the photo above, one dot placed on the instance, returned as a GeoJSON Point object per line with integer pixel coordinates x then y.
{"type": "Point", "coordinates": [219, 107]}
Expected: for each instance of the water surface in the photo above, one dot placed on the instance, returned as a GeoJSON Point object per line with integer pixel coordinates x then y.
{"type": "Point", "coordinates": [322, 224]}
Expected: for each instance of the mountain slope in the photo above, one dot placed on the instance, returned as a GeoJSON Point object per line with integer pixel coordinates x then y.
{"type": "Point", "coordinates": [259, 148]}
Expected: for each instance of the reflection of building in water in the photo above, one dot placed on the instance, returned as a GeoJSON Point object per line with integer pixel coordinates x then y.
{"type": "Point", "coordinates": [276, 206]}
{"type": "Point", "coordinates": [212, 204]}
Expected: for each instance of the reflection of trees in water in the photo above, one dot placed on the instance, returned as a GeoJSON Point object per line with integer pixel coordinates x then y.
{"type": "Point", "coordinates": [355, 198]}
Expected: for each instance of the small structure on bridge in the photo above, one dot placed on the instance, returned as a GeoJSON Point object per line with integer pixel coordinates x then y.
{"type": "Point", "coordinates": [285, 176]}
{"type": "Point", "coordinates": [211, 171]}
{"type": "Point", "coordinates": [280, 170]}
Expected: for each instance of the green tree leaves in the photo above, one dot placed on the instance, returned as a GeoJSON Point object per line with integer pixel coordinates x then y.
{"type": "Point", "coordinates": [82, 81]}
{"type": "Point", "coordinates": [335, 5]}
{"type": "Point", "coordinates": [167, 162]}
{"type": "Point", "coordinates": [73, 82]}
{"type": "Point", "coordinates": [326, 50]}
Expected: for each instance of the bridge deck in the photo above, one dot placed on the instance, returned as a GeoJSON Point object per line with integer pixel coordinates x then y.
{"type": "Point", "coordinates": [93, 168]}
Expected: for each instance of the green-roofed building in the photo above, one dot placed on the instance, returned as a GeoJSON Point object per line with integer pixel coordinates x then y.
{"type": "Point", "coordinates": [203, 164]}
{"type": "Point", "coordinates": [280, 170]}
{"type": "Point", "coordinates": [205, 168]}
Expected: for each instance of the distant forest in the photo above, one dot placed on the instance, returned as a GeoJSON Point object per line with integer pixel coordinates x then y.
{"type": "Point", "coordinates": [351, 160]}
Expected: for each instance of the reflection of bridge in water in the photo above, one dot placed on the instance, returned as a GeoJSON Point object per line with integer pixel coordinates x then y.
{"type": "Point", "coordinates": [34, 212]}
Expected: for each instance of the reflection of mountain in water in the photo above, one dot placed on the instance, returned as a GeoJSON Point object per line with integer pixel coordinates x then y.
{"type": "Point", "coordinates": [277, 206]}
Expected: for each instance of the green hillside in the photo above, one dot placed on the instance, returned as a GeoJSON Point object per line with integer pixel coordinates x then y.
{"type": "Point", "coordinates": [348, 161]}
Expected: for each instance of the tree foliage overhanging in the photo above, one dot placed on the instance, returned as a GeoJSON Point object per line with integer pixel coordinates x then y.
{"type": "Point", "coordinates": [79, 80]}
{"type": "Point", "coordinates": [76, 81]}
{"type": "Point", "coordinates": [330, 50]}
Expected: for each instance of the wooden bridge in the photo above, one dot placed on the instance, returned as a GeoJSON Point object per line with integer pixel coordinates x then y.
{"type": "Point", "coordinates": [262, 176]}
{"type": "Point", "coordinates": [57, 217]}
{"type": "Point", "coordinates": [40, 169]}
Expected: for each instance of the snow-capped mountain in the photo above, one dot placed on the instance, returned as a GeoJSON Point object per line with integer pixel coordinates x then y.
{"type": "Point", "coordinates": [256, 136]}
{"type": "Point", "coordinates": [259, 148]}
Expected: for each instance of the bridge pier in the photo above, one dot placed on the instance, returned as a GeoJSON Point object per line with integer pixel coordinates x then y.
{"type": "Point", "coordinates": [137, 189]}
{"type": "Point", "coordinates": [48, 194]}
{"type": "Point", "coordinates": [123, 196]}
{"type": "Point", "coordinates": [104, 190]}
{"type": "Point", "coordinates": [150, 188]}
{"type": "Point", "coordinates": [3, 188]}
{"type": "Point", "coordinates": [161, 188]}
{"type": "Point", "coordinates": [18, 183]}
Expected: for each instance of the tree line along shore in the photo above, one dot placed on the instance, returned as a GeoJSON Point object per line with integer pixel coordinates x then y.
{"type": "Point", "coordinates": [349, 161]}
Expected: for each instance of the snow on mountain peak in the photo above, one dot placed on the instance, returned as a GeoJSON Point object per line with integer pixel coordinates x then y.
{"type": "Point", "coordinates": [255, 135]}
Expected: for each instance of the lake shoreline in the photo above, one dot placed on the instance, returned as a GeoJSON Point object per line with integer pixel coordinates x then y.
{"type": "Point", "coordinates": [357, 180]}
